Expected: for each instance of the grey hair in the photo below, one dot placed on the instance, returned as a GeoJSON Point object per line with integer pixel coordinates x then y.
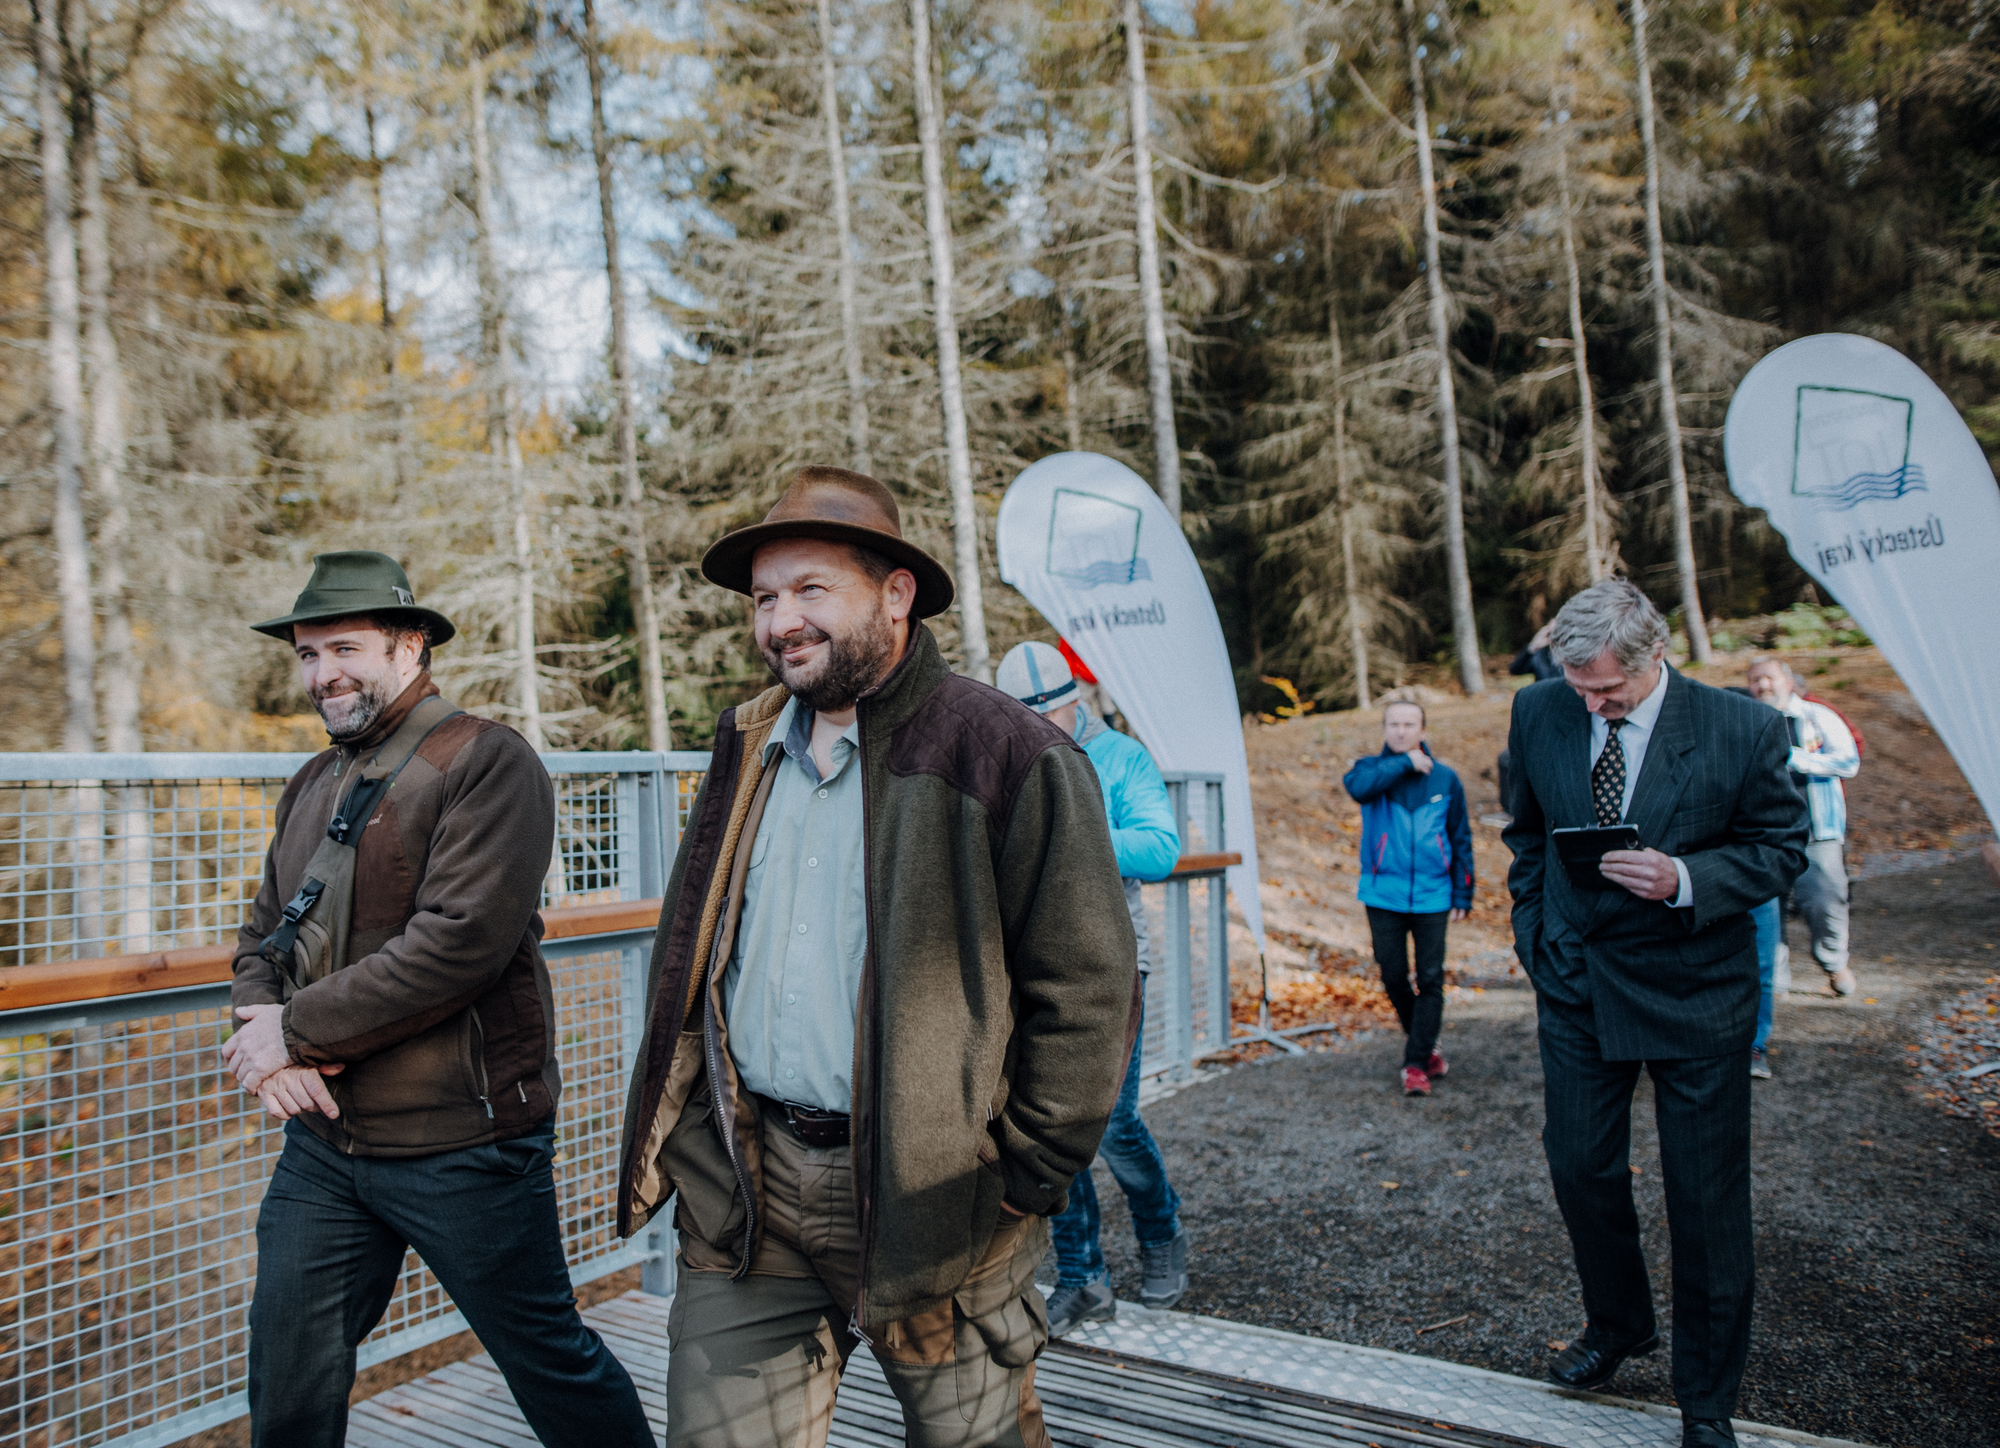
{"type": "Point", "coordinates": [1613, 614]}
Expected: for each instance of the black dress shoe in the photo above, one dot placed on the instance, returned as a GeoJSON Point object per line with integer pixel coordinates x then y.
{"type": "Point", "coordinates": [1707, 1433]}
{"type": "Point", "coordinates": [1594, 1359]}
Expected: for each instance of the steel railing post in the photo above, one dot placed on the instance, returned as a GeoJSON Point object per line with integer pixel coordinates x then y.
{"type": "Point", "coordinates": [1219, 1027]}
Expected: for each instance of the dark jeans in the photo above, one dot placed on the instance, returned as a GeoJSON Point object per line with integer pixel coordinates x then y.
{"type": "Point", "coordinates": [1421, 1010]}
{"type": "Point", "coordinates": [1135, 1162]}
{"type": "Point", "coordinates": [330, 1241]}
{"type": "Point", "coordinates": [1702, 1107]}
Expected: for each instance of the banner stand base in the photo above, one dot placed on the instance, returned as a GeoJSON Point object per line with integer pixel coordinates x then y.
{"type": "Point", "coordinates": [1250, 1034]}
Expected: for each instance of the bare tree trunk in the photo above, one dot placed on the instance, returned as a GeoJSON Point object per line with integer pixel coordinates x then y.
{"type": "Point", "coordinates": [1663, 329]}
{"type": "Point", "coordinates": [127, 921]}
{"type": "Point", "coordinates": [391, 345]}
{"type": "Point", "coordinates": [1072, 404]}
{"type": "Point", "coordinates": [503, 443]}
{"type": "Point", "coordinates": [951, 394]}
{"type": "Point", "coordinates": [65, 385]}
{"type": "Point", "coordinates": [1159, 364]}
{"type": "Point", "coordinates": [1465, 628]}
{"type": "Point", "coordinates": [1350, 573]}
{"type": "Point", "coordinates": [843, 225]}
{"type": "Point", "coordinates": [1594, 552]}
{"type": "Point", "coordinates": [652, 672]}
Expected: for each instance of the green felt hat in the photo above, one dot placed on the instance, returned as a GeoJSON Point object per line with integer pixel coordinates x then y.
{"type": "Point", "coordinates": [360, 581]}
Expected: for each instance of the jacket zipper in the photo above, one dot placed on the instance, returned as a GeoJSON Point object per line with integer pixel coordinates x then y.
{"type": "Point", "coordinates": [864, 1014]}
{"type": "Point", "coordinates": [479, 1059]}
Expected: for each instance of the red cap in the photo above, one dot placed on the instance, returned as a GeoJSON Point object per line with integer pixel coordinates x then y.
{"type": "Point", "coordinates": [1077, 666]}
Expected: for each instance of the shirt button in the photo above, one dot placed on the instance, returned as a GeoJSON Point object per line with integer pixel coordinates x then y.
{"type": "Point", "coordinates": [802, 927]}
{"type": "Point", "coordinates": [790, 1073]}
{"type": "Point", "coordinates": [792, 999]}
{"type": "Point", "coordinates": [822, 794]}
{"type": "Point", "coordinates": [814, 861]}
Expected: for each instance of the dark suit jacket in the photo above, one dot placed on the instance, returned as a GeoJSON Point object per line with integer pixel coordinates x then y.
{"type": "Point", "coordinates": [1653, 982]}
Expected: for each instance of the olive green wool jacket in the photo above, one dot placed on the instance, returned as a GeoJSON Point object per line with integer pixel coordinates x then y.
{"type": "Point", "coordinates": [998, 995]}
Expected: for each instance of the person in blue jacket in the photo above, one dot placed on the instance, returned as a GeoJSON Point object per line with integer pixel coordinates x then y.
{"type": "Point", "coordinates": [1416, 877]}
{"type": "Point", "coordinates": [1148, 846]}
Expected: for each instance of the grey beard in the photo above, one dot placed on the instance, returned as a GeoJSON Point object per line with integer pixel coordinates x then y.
{"type": "Point", "coordinates": [369, 702]}
{"type": "Point", "coordinates": [853, 663]}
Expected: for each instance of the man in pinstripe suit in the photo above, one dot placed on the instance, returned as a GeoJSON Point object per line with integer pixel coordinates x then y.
{"type": "Point", "coordinates": [1657, 968]}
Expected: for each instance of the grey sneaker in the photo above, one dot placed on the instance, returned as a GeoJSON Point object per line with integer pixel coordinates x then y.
{"type": "Point", "coordinates": [1760, 1065]}
{"type": "Point", "coordinates": [1070, 1307]}
{"type": "Point", "coordinates": [1164, 1269]}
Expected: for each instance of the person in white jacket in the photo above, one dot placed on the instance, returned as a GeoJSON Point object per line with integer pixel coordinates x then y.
{"type": "Point", "coordinates": [1823, 754]}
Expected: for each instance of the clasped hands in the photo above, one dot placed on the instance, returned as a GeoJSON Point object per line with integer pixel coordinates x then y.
{"type": "Point", "coordinates": [258, 1057]}
{"type": "Point", "coordinates": [1646, 873]}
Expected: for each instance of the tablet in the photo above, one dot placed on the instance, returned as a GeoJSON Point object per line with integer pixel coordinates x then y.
{"type": "Point", "coordinates": [1581, 849]}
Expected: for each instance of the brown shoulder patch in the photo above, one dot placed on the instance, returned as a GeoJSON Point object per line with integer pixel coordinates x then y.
{"type": "Point", "coordinates": [448, 738]}
{"type": "Point", "coordinates": [976, 739]}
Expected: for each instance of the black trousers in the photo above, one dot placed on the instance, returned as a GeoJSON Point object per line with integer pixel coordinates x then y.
{"type": "Point", "coordinates": [331, 1234]}
{"type": "Point", "coordinates": [1703, 1110]}
{"type": "Point", "coordinates": [1421, 1010]}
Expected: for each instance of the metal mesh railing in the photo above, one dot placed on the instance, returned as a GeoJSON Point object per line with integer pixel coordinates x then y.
{"type": "Point", "coordinates": [131, 1167]}
{"type": "Point", "coordinates": [172, 853]}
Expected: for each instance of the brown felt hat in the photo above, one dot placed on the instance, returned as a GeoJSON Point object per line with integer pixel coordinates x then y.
{"type": "Point", "coordinates": [841, 507]}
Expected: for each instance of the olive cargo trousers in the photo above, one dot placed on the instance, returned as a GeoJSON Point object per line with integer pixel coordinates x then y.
{"type": "Point", "coordinates": [755, 1362]}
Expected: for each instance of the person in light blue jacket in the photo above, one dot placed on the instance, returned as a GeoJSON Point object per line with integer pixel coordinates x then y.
{"type": "Point", "coordinates": [1148, 846]}
{"type": "Point", "coordinates": [1416, 877]}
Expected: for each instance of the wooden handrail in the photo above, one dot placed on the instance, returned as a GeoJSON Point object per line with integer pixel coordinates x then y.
{"type": "Point", "coordinates": [25, 986]}
{"type": "Point", "coordinates": [1203, 864]}
{"type": "Point", "coordinates": [64, 982]}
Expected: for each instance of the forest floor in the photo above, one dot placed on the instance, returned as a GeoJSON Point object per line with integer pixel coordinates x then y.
{"type": "Point", "coordinates": [1322, 1201]}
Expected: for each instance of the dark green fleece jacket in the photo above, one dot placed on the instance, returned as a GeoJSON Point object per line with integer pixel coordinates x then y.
{"type": "Point", "coordinates": [997, 1001]}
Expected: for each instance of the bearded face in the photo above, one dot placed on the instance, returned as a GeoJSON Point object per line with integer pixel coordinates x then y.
{"type": "Point", "coordinates": [826, 625]}
{"type": "Point", "coordinates": [350, 707]}
{"type": "Point", "coordinates": [832, 677]}
{"type": "Point", "coordinates": [352, 672]}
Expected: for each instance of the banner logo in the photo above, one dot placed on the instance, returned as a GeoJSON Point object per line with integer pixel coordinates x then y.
{"type": "Point", "coordinates": [1094, 540]}
{"type": "Point", "coordinates": [1852, 447]}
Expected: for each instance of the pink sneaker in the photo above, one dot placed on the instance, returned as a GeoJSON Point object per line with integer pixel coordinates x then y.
{"type": "Point", "coordinates": [1435, 1067]}
{"type": "Point", "coordinates": [1415, 1082]}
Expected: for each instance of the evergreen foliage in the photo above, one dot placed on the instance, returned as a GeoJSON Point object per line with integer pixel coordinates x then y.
{"type": "Point", "coordinates": [301, 327]}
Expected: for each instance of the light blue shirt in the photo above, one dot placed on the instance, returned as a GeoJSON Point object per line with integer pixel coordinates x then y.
{"type": "Point", "coordinates": [1633, 737]}
{"type": "Point", "coordinates": [795, 975]}
{"type": "Point", "coordinates": [1825, 755]}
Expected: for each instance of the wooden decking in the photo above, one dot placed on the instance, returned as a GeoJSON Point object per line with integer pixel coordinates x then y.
{"type": "Point", "coordinates": [1092, 1396]}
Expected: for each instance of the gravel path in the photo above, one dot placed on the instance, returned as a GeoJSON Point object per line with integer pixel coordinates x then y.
{"type": "Point", "coordinates": [1878, 1219]}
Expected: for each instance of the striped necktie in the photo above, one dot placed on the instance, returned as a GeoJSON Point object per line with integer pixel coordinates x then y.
{"type": "Point", "coordinates": [1607, 777]}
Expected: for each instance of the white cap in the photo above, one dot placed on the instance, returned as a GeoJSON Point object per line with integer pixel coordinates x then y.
{"type": "Point", "coordinates": [1038, 675]}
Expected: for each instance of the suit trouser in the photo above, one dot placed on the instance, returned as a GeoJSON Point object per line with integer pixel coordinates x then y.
{"type": "Point", "coordinates": [331, 1234]}
{"type": "Point", "coordinates": [1821, 896]}
{"type": "Point", "coordinates": [755, 1362]}
{"type": "Point", "coordinates": [1703, 1110]}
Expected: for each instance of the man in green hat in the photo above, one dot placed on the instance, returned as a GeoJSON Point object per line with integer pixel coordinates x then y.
{"type": "Point", "coordinates": [397, 1016]}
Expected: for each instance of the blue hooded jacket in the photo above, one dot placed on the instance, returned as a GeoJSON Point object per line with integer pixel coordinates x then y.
{"type": "Point", "coordinates": [1416, 842]}
{"type": "Point", "coordinates": [1135, 800]}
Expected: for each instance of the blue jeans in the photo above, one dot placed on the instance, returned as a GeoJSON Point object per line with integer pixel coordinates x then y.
{"type": "Point", "coordinates": [1135, 1161]}
{"type": "Point", "coordinates": [1770, 930]}
{"type": "Point", "coordinates": [331, 1234]}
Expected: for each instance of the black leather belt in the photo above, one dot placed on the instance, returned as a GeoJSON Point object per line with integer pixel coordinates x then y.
{"type": "Point", "coordinates": [814, 1127]}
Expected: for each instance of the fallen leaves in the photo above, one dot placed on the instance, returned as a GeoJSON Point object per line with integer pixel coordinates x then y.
{"type": "Point", "coordinates": [1951, 1050]}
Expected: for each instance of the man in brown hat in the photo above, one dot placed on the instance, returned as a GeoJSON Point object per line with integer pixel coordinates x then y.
{"type": "Point", "coordinates": [891, 1004]}
{"type": "Point", "coordinates": [397, 1017]}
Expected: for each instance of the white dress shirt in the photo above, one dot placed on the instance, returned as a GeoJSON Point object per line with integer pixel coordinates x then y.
{"type": "Point", "coordinates": [1633, 737]}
